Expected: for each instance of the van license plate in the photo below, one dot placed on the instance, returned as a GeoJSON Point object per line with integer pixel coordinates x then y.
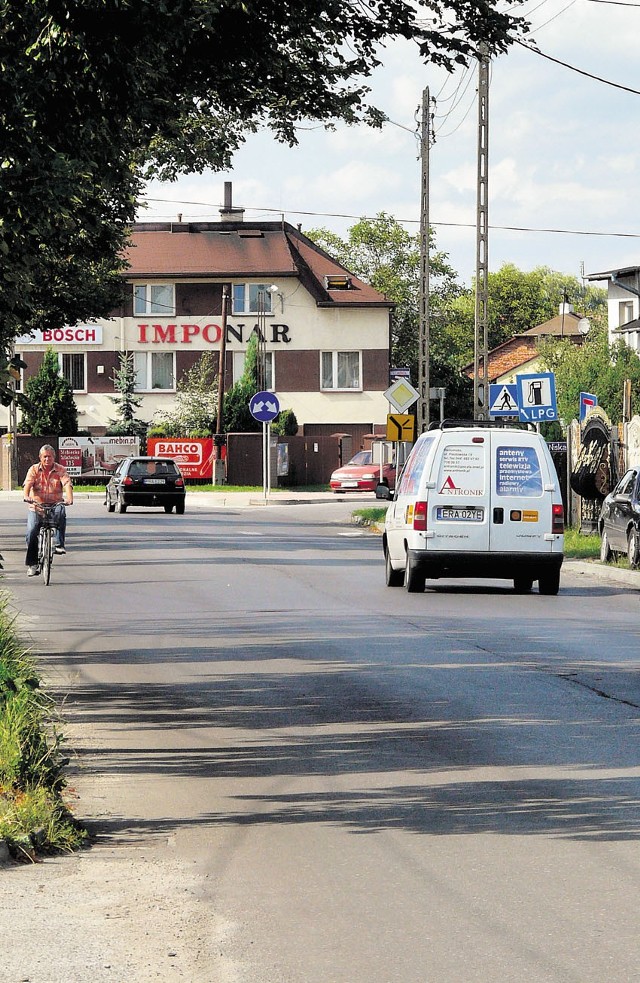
{"type": "Point", "coordinates": [154, 481]}
{"type": "Point", "coordinates": [460, 515]}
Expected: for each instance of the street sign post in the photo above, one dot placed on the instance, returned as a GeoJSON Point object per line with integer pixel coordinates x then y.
{"type": "Point", "coordinates": [401, 395]}
{"type": "Point", "coordinates": [264, 407]}
{"type": "Point", "coordinates": [587, 402]}
{"type": "Point", "coordinates": [400, 426]}
{"type": "Point", "coordinates": [503, 399]}
{"type": "Point", "coordinates": [537, 397]}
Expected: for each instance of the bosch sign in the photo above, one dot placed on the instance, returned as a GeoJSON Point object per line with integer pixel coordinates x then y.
{"type": "Point", "coordinates": [82, 334]}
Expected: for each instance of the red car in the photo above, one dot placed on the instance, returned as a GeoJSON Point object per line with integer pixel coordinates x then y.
{"type": "Point", "coordinates": [361, 474]}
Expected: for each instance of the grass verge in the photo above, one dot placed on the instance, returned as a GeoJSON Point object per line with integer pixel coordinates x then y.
{"type": "Point", "coordinates": [34, 818]}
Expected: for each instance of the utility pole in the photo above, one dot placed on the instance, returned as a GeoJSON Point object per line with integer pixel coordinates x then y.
{"type": "Point", "coordinates": [481, 333]}
{"type": "Point", "coordinates": [222, 360]}
{"type": "Point", "coordinates": [423, 297]}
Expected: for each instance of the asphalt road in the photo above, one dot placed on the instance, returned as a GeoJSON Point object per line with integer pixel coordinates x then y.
{"type": "Point", "coordinates": [355, 784]}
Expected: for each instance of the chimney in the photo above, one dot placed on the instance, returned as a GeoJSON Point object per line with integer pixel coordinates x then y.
{"type": "Point", "coordinates": [565, 308]}
{"type": "Point", "coordinates": [228, 213]}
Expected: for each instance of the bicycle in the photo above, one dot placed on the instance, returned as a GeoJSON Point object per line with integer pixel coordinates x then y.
{"type": "Point", "coordinates": [46, 538]}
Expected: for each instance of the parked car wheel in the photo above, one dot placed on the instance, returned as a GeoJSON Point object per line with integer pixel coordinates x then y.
{"type": "Point", "coordinates": [549, 583]}
{"type": "Point", "coordinates": [522, 585]}
{"type": "Point", "coordinates": [606, 553]}
{"type": "Point", "coordinates": [633, 548]}
{"type": "Point", "coordinates": [394, 578]}
{"type": "Point", "coordinates": [180, 508]}
{"type": "Point", "coordinates": [414, 580]}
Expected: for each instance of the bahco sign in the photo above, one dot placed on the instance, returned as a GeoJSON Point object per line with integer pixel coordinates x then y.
{"type": "Point", "coordinates": [193, 457]}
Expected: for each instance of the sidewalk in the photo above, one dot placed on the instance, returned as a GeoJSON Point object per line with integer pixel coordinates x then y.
{"type": "Point", "coordinates": [223, 499]}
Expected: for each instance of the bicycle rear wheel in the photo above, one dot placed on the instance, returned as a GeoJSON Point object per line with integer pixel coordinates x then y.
{"type": "Point", "coordinates": [47, 554]}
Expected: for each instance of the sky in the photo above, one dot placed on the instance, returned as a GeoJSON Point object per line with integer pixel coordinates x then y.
{"type": "Point", "coordinates": [564, 152]}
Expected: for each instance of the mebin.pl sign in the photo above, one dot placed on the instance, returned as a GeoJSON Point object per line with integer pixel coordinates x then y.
{"type": "Point", "coordinates": [95, 456]}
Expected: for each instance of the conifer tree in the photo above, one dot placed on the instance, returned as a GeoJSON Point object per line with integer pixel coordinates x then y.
{"type": "Point", "coordinates": [53, 409]}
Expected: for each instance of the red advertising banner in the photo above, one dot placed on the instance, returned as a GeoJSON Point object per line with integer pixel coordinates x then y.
{"type": "Point", "coordinates": [193, 457]}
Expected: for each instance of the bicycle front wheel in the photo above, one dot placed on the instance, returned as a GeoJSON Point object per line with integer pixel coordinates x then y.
{"type": "Point", "coordinates": [47, 555]}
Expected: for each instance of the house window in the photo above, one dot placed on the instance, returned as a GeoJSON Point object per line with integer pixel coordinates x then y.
{"type": "Point", "coordinates": [154, 298]}
{"type": "Point", "coordinates": [251, 298]}
{"type": "Point", "coordinates": [625, 312]}
{"type": "Point", "coordinates": [268, 382]}
{"type": "Point", "coordinates": [155, 370]}
{"type": "Point", "coordinates": [340, 370]}
{"type": "Point", "coordinates": [73, 369]}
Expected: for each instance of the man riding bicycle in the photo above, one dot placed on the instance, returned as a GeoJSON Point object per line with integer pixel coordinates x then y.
{"type": "Point", "coordinates": [46, 483]}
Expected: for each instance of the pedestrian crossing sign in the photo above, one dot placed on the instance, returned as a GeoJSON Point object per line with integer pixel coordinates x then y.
{"type": "Point", "coordinates": [503, 399]}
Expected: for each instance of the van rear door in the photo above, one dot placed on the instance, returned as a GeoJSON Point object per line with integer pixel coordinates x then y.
{"type": "Point", "coordinates": [459, 517]}
{"type": "Point", "coordinates": [521, 500]}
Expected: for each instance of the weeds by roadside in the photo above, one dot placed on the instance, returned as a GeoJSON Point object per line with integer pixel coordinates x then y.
{"type": "Point", "coordinates": [33, 816]}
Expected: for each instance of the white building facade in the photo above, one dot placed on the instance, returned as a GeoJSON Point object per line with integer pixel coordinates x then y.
{"type": "Point", "coordinates": [324, 335]}
{"type": "Point", "coordinates": [623, 303]}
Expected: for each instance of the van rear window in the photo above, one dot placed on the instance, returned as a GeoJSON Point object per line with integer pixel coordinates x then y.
{"type": "Point", "coordinates": [412, 471]}
{"type": "Point", "coordinates": [518, 471]}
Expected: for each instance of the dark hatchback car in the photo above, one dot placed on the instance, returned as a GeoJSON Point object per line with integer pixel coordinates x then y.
{"type": "Point", "coordinates": [619, 521]}
{"type": "Point", "coordinates": [146, 481]}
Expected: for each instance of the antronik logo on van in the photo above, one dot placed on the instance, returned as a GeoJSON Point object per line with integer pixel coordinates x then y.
{"type": "Point", "coordinates": [450, 488]}
{"type": "Point", "coordinates": [463, 471]}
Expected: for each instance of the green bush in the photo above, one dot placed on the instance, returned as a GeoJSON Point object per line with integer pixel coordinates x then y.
{"type": "Point", "coordinates": [33, 816]}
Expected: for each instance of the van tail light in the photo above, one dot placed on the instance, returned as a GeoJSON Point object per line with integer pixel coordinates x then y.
{"type": "Point", "coordinates": [128, 481]}
{"type": "Point", "coordinates": [557, 519]}
{"type": "Point", "coordinates": [179, 482]}
{"type": "Point", "coordinates": [420, 516]}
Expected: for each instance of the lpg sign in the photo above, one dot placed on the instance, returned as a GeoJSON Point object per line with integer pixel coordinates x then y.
{"type": "Point", "coordinates": [193, 457]}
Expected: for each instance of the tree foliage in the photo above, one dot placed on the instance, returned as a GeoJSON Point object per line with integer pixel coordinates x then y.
{"type": "Point", "coordinates": [53, 409]}
{"type": "Point", "coordinates": [95, 95]}
{"type": "Point", "coordinates": [127, 401]}
{"type": "Point", "coordinates": [594, 367]}
{"type": "Point", "coordinates": [236, 415]}
{"type": "Point", "coordinates": [519, 300]}
{"type": "Point", "coordinates": [381, 252]}
{"type": "Point", "coordinates": [286, 424]}
{"type": "Point", "coordinates": [196, 405]}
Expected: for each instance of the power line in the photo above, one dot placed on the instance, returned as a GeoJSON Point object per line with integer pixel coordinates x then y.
{"type": "Point", "coordinates": [615, 3]}
{"type": "Point", "coordinates": [413, 221]}
{"type": "Point", "coordinates": [580, 71]}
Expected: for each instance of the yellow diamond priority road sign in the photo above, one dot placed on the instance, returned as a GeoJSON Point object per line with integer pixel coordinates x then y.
{"type": "Point", "coordinates": [401, 395]}
{"type": "Point", "coordinates": [400, 426]}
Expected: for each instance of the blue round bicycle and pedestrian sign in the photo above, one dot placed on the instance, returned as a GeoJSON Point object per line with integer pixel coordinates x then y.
{"type": "Point", "coordinates": [264, 407]}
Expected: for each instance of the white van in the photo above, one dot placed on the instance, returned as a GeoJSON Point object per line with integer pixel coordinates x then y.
{"type": "Point", "coordinates": [476, 500]}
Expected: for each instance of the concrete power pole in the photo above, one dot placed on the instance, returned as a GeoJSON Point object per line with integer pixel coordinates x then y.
{"type": "Point", "coordinates": [423, 297]}
{"type": "Point", "coordinates": [481, 334]}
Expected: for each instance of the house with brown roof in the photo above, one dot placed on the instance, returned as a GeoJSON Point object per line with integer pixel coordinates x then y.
{"type": "Point", "coordinates": [324, 334]}
{"type": "Point", "coordinates": [519, 354]}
